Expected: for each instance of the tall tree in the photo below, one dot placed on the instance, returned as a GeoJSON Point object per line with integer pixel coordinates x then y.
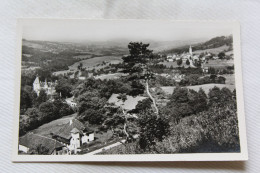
{"type": "Point", "coordinates": [41, 98]}
{"type": "Point", "coordinates": [187, 62]}
{"type": "Point", "coordinates": [179, 62]}
{"type": "Point", "coordinates": [137, 65]}
{"type": "Point", "coordinates": [91, 107]}
{"type": "Point", "coordinates": [64, 88]}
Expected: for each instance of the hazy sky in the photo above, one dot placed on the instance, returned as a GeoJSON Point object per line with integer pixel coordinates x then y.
{"type": "Point", "coordinates": [134, 30]}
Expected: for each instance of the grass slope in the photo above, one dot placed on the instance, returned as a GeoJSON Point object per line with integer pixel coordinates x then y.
{"type": "Point", "coordinates": [94, 62]}
{"type": "Point", "coordinates": [53, 126]}
{"type": "Point", "coordinates": [213, 50]}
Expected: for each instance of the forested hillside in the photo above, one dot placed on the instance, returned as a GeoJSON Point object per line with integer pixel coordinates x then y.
{"type": "Point", "coordinates": [212, 43]}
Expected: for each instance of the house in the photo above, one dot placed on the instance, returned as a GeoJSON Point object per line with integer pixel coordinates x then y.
{"type": "Point", "coordinates": [178, 77]}
{"type": "Point", "coordinates": [195, 57]}
{"type": "Point", "coordinates": [164, 75]}
{"type": "Point", "coordinates": [70, 101]}
{"type": "Point", "coordinates": [205, 69]}
{"type": "Point", "coordinates": [178, 58]}
{"type": "Point", "coordinates": [171, 58]}
{"type": "Point", "coordinates": [30, 142]}
{"type": "Point", "coordinates": [48, 87]}
{"type": "Point", "coordinates": [129, 104]}
{"type": "Point", "coordinates": [82, 77]}
{"type": "Point", "coordinates": [174, 57]}
{"type": "Point", "coordinates": [74, 134]}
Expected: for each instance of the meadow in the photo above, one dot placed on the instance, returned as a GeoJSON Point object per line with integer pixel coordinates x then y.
{"type": "Point", "coordinates": [92, 63]}
{"type": "Point", "coordinates": [219, 63]}
{"type": "Point", "coordinates": [205, 87]}
{"type": "Point", "coordinates": [53, 126]}
{"type": "Point", "coordinates": [97, 62]}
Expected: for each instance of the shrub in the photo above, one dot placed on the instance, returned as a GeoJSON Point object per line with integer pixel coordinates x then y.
{"type": "Point", "coordinates": [152, 129]}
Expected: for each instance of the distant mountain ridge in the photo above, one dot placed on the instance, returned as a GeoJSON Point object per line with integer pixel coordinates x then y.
{"type": "Point", "coordinates": [177, 46]}
{"type": "Point", "coordinates": [212, 43]}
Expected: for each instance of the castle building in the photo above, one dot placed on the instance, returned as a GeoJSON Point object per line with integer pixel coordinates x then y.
{"type": "Point", "coordinates": [48, 87]}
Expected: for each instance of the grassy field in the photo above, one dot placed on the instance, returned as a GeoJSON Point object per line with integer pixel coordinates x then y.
{"type": "Point", "coordinates": [205, 87]}
{"type": "Point", "coordinates": [109, 76]}
{"type": "Point", "coordinates": [230, 79]}
{"type": "Point", "coordinates": [229, 52]}
{"type": "Point", "coordinates": [53, 126]}
{"type": "Point", "coordinates": [219, 63]}
{"type": "Point", "coordinates": [89, 64]}
{"type": "Point", "coordinates": [213, 50]}
{"type": "Point", "coordinates": [83, 56]}
{"type": "Point", "coordinates": [96, 62]}
{"type": "Point", "coordinates": [173, 64]}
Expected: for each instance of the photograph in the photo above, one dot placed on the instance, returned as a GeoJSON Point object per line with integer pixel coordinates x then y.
{"type": "Point", "coordinates": [128, 90]}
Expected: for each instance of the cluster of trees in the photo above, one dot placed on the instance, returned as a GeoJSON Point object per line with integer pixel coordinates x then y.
{"type": "Point", "coordinates": [214, 129]}
{"type": "Point", "coordinates": [92, 95]}
{"type": "Point", "coordinates": [227, 70]}
{"type": "Point", "coordinates": [184, 102]}
{"type": "Point", "coordinates": [188, 71]}
{"type": "Point", "coordinates": [64, 87]}
{"type": "Point", "coordinates": [206, 123]}
{"type": "Point", "coordinates": [162, 81]}
{"type": "Point", "coordinates": [91, 107]}
{"type": "Point", "coordinates": [195, 79]}
{"type": "Point", "coordinates": [44, 113]}
{"type": "Point", "coordinates": [209, 124]}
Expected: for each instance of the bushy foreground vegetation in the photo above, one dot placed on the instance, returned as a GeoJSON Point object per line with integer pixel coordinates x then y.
{"type": "Point", "coordinates": [214, 128]}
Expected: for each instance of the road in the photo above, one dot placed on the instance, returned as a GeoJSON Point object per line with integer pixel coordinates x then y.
{"type": "Point", "coordinates": [106, 148]}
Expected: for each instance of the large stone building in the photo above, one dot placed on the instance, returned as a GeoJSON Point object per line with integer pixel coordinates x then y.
{"type": "Point", "coordinates": [48, 87]}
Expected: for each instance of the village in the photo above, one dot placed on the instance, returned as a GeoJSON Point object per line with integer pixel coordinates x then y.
{"type": "Point", "coordinates": [89, 105]}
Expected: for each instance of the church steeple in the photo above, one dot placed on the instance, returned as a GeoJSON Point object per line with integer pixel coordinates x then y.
{"type": "Point", "coordinates": [45, 84]}
{"type": "Point", "coordinates": [190, 51]}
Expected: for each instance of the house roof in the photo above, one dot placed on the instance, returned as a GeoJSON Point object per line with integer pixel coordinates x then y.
{"type": "Point", "coordinates": [31, 141]}
{"type": "Point", "coordinates": [68, 128]}
{"type": "Point", "coordinates": [129, 104]}
{"type": "Point", "coordinates": [74, 130]}
{"type": "Point", "coordinates": [71, 99]}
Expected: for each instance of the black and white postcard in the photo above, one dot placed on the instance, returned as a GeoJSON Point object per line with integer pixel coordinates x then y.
{"type": "Point", "coordinates": [128, 90]}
